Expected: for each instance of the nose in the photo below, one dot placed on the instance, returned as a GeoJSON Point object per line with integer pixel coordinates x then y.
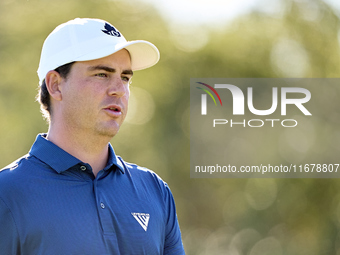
{"type": "Point", "coordinates": [117, 87]}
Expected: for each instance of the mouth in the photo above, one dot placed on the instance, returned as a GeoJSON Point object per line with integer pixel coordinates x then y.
{"type": "Point", "coordinates": [113, 110]}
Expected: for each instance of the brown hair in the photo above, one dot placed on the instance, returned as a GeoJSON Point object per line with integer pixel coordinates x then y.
{"type": "Point", "coordinates": [43, 96]}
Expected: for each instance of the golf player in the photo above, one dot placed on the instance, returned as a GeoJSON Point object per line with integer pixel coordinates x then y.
{"type": "Point", "coordinates": [71, 194]}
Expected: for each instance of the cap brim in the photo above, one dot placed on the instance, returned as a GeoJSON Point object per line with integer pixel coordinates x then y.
{"type": "Point", "coordinates": [143, 53]}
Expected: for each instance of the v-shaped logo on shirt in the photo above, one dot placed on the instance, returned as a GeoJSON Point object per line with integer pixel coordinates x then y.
{"type": "Point", "coordinates": [142, 219]}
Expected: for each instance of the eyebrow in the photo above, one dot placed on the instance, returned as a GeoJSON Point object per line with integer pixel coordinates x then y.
{"type": "Point", "coordinates": [109, 69]}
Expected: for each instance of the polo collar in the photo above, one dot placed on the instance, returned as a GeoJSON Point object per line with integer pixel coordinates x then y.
{"type": "Point", "coordinates": [60, 160]}
{"type": "Point", "coordinates": [114, 160]}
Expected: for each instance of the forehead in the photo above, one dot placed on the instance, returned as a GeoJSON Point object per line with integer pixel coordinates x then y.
{"type": "Point", "coordinates": [120, 59]}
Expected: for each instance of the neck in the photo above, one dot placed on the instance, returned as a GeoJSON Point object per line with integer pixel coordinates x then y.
{"type": "Point", "coordinates": [89, 149]}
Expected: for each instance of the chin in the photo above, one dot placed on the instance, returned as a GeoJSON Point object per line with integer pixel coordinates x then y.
{"type": "Point", "coordinates": [108, 128]}
{"type": "Point", "coordinates": [107, 131]}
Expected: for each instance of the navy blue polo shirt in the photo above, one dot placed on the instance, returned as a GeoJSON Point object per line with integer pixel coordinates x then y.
{"type": "Point", "coordinates": [51, 203]}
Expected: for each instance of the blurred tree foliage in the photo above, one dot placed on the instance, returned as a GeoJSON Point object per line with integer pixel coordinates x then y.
{"type": "Point", "coordinates": [217, 216]}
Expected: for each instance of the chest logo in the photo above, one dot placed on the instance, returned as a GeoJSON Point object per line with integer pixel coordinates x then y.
{"type": "Point", "coordinates": [142, 219]}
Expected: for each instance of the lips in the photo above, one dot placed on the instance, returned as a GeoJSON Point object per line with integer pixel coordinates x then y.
{"type": "Point", "coordinates": [113, 110]}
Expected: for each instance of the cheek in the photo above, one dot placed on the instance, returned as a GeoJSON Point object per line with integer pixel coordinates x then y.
{"type": "Point", "coordinates": [126, 99]}
{"type": "Point", "coordinates": [78, 99]}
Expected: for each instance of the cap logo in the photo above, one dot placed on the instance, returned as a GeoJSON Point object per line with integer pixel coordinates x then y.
{"type": "Point", "coordinates": [110, 30]}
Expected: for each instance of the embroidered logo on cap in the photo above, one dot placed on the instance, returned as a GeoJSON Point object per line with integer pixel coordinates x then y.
{"type": "Point", "coordinates": [110, 30]}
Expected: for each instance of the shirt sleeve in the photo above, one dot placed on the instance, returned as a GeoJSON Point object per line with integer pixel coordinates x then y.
{"type": "Point", "coordinates": [9, 238]}
{"type": "Point", "coordinates": [173, 240]}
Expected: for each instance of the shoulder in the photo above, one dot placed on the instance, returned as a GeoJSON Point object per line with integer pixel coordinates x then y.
{"type": "Point", "coordinates": [144, 175]}
{"type": "Point", "coordinates": [15, 165]}
{"type": "Point", "coordinates": [139, 170]}
{"type": "Point", "coordinates": [12, 181]}
{"type": "Point", "coordinates": [17, 174]}
{"type": "Point", "coordinates": [136, 170]}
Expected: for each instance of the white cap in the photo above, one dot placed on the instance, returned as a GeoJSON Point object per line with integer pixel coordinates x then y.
{"type": "Point", "coordinates": [88, 39]}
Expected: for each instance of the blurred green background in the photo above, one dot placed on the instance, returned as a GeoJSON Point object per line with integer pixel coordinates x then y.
{"type": "Point", "coordinates": [291, 38]}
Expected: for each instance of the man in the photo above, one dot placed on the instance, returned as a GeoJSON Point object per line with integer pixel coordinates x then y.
{"type": "Point", "coordinates": [71, 194]}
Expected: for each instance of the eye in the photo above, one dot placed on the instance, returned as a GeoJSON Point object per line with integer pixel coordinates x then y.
{"type": "Point", "coordinates": [126, 78]}
{"type": "Point", "coordinates": [103, 75]}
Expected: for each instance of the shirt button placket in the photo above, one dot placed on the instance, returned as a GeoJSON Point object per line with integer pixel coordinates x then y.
{"type": "Point", "coordinates": [104, 211]}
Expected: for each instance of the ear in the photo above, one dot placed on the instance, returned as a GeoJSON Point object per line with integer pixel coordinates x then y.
{"type": "Point", "coordinates": [53, 81]}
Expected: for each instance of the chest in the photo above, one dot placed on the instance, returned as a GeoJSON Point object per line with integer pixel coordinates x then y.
{"type": "Point", "coordinates": [92, 217]}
